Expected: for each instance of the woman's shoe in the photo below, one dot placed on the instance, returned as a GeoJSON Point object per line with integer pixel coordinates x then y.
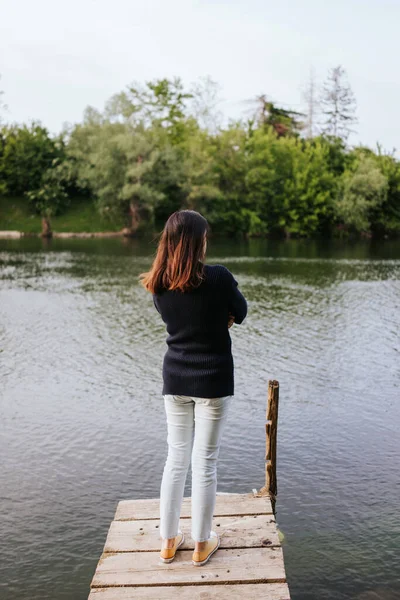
{"type": "Point", "coordinates": [167, 555]}
{"type": "Point", "coordinates": [200, 558]}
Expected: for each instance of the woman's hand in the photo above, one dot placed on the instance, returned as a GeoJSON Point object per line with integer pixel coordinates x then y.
{"type": "Point", "coordinates": [231, 320]}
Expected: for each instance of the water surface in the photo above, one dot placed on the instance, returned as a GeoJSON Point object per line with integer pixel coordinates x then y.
{"type": "Point", "coordinates": [82, 421]}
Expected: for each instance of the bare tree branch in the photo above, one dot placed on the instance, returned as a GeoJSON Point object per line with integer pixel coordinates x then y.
{"type": "Point", "coordinates": [338, 104]}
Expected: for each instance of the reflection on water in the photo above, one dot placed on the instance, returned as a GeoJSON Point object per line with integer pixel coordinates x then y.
{"type": "Point", "coordinates": [82, 421]}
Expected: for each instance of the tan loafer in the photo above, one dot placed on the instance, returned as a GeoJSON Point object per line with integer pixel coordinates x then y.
{"type": "Point", "coordinates": [167, 555]}
{"type": "Point", "coordinates": [200, 558]}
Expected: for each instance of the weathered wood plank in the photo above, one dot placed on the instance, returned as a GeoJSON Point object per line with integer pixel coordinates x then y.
{"type": "Point", "coordinates": [226, 565]}
{"type": "Point", "coordinates": [255, 591]}
{"type": "Point", "coordinates": [236, 532]}
{"type": "Point", "coordinates": [226, 504]}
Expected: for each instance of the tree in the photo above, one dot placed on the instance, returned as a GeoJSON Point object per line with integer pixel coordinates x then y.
{"type": "Point", "coordinates": [201, 183]}
{"type": "Point", "coordinates": [204, 102]}
{"type": "Point", "coordinates": [282, 121]}
{"type": "Point", "coordinates": [388, 217]}
{"type": "Point", "coordinates": [169, 177]}
{"type": "Point", "coordinates": [337, 157]}
{"type": "Point", "coordinates": [363, 190]}
{"type": "Point", "coordinates": [145, 153]}
{"type": "Point", "coordinates": [27, 153]}
{"type": "Point", "coordinates": [311, 190]}
{"type": "Point", "coordinates": [51, 197]}
{"type": "Point", "coordinates": [269, 165]}
{"type": "Point", "coordinates": [338, 105]}
{"type": "Point", "coordinates": [115, 160]}
{"type": "Point", "coordinates": [160, 104]}
{"type": "Point", "coordinates": [289, 184]}
{"type": "Point", "coordinates": [233, 212]}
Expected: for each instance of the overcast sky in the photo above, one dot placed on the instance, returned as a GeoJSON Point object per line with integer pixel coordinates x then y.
{"type": "Point", "coordinates": [58, 57]}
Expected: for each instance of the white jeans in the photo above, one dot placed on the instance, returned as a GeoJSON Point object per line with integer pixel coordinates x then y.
{"type": "Point", "coordinates": [195, 427]}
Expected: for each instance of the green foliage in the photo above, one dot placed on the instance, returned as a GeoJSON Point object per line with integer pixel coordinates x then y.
{"type": "Point", "coordinates": [386, 218]}
{"type": "Point", "coordinates": [114, 160]}
{"type": "Point", "coordinates": [282, 121]}
{"type": "Point", "coordinates": [168, 177]}
{"type": "Point", "coordinates": [290, 184]}
{"type": "Point", "coordinates": [362, 191]}
{"type": "Point", "coordinates": [26, 153]}
{"type": "Point", "coordinates": [232, 213]}
{"type": "Point", "coordinates": [201, 184]}
{"type": "Point", "coordinates": [158, 148]}
{"type": "Point", "coordinates": [337, 156]}
{"type": "Point", "coordinates": [160, 104]}
{"type": "Point", "coordinates": [310, 192]}
{"type": "Point", "coordinates": [50, 199]}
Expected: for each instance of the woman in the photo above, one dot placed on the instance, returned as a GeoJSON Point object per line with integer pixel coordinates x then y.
{"type": "Point", "coordinates": [198, 303]}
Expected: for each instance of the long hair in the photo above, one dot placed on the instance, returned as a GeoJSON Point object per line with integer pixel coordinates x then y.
{"type": "Point", "coordinates": [178, 262]}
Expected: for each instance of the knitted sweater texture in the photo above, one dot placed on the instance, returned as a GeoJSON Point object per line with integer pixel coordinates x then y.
{"type": "Point", "coordinates": [198, 361]}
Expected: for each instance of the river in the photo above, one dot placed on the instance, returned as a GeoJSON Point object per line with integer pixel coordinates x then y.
{"type": "Point", "coordinates": [82, 421]}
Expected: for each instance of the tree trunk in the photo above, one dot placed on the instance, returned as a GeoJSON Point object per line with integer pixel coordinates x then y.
{"type": "Point", "coordinates": [46, 228]}
{"type": "Point", "coordinates": [134, 217]}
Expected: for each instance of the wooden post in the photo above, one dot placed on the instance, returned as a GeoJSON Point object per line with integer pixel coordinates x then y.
{"type": "Point", "coordinates": [271, 426]}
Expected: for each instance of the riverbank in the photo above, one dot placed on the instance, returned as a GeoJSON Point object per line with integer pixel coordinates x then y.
{"type": "Point", "coordinates": [80, 218]}
{"type": "Point", "coordinates": [14, 235]}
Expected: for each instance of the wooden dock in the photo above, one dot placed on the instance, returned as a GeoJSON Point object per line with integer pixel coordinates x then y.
{"type": "Point", "coordinates": [248, 564]}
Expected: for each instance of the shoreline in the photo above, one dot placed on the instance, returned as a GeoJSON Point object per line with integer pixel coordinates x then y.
{"type": "Point", "coordinates": [15, 235]}
{"type": "Point", "coordinates": [9, 234]}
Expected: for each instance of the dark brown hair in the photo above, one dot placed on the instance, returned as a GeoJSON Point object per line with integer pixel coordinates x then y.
{"type": "Point", "coordinates": [178, 262]}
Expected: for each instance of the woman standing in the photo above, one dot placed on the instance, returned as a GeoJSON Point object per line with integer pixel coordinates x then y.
{"type": "Point", "coordinates": [198, 303]}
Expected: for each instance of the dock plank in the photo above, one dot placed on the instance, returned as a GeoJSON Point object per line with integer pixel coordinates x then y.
{"type": "Point", "coordinates": [226, 505]}
{"type": "Point", "coordinates": [225, 566]}
{"type": "Point", "coordinates": [255, 591]}
{"type": "Point", "coordinates": [235, 532]}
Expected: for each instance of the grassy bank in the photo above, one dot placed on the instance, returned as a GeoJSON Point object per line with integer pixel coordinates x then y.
{"type": "Point", "coordinates": [81, 216]}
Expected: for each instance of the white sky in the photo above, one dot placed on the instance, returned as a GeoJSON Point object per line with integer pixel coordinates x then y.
{"type": "Point", "coordinates": [58, 57]}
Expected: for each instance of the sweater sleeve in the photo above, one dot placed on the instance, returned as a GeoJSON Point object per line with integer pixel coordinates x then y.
{"type": "Point", "coordinates": [236, 301]}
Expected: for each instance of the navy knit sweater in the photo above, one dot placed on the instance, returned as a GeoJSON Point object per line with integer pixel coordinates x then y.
{"type": "Point", "coordinates": [199, 361]}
